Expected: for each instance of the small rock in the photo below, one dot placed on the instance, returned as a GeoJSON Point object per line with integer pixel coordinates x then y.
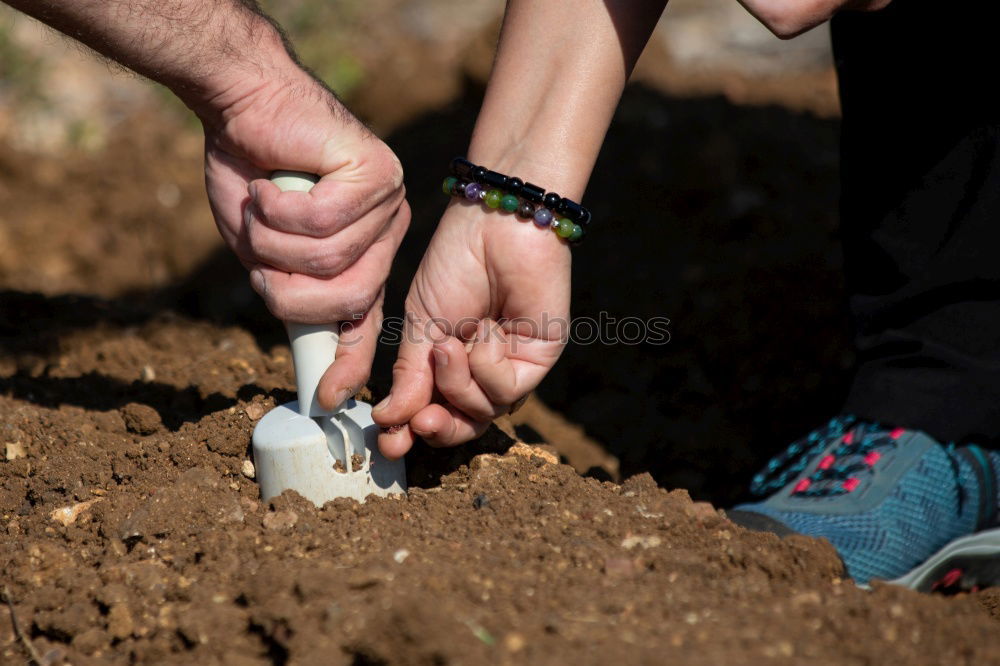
{"type": "Point", "coordinates": [141, 419]}
{"type": "Point", "coordinates": [480, 501]}
{"type": "Point", "coordinates": [630, 542]}
{"type": "Point", "coordinates": [529, 451]}
{"type": "Point", "coordinates": [401, 555]}
{"type": "Point", "coordinates": [248, 469]}
{"type": "Point", "coordinates": [514, 642]}
{"type": "Point", "coordinates": [280, 520]}
{"type": "Point", "coordinates": [15, 450]}
{"type": "Point", "coordinates": [254, 411]}
{"type": "Point", "coordinates": [67, 515]}
{"type": "Point", "coordinates": [148, 374]}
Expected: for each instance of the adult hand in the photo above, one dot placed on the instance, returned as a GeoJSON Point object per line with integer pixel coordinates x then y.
{"type": "Point", "coordinates": [316, 257]}
{"type": "Point", "coordinates": [487, 316]}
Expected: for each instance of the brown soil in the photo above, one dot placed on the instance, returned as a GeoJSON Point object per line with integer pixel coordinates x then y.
{"type": "Point", "coordinates": [135, 362]}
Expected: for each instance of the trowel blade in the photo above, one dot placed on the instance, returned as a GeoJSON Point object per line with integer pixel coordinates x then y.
{"type": "Point", "coordinates": [292, 451]}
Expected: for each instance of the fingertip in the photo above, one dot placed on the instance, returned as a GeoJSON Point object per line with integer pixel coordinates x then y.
{"type": "Point", "coordinates": [394, 442]}
{"type": "Point", "coordinates": [433, 424]}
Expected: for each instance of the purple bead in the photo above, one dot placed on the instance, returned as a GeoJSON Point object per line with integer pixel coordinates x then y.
{"type": "Point", "coordinates": [472, 191]}
{"type": "Point", "coordinates": [543, 217]}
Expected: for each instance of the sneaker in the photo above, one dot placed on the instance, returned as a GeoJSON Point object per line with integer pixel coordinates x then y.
{"type": "Point", "coordinates": [896, 504]}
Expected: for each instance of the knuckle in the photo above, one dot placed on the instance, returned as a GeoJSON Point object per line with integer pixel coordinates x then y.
{"type": "Point", "coordinates": [324, 264]}
{"type": "Point", "coordinates": [319, 224]}
{"type": "Point", "coordinates": [388, 166]}
{"type": "Point", "coordinates": [329, 263]}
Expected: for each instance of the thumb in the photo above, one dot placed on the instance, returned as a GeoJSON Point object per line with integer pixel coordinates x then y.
{"type": "Point", "coordinates": [352, 367]}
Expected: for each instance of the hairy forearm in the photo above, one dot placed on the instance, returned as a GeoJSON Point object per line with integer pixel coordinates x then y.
{"type": "Point", "coordinates": [560, 70]}
{"type": "Point", "coordinates": [203, 50]}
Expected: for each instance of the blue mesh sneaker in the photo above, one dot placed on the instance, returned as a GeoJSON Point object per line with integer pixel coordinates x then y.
{"type": "Point", "coordinates": [896, 504]}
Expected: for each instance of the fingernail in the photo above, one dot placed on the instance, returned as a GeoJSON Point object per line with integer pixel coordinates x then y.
{"type": "Point", "coordinates": [383, 405]}
{"type": "Point", "coordinates": [341, 396]}
{"type": "Point", "coordinates": [247, 214]}
{"type": "Point", "coordinates": [440, 358]}
{"type": "Point", "coordinates": [253, 191]}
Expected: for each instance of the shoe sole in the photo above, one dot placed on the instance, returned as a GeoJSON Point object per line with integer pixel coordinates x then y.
{"type": "Point", "coordinates": [968, 563]}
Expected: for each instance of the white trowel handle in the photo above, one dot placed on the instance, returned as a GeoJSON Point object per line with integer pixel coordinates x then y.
{"type": "Point", "coordinates": [313, 346]}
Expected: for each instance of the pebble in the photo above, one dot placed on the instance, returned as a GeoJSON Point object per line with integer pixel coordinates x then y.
{"type": "Point", "coordinates": [248, 470]}
{"type": "Point", "coordinates": [15, 450]}
{"type": "Point", "coordinates": [148, 374]}
{"type": "Point", "coordinates": [401, 555]}
{"type": "Point", "coordinates": [529, 451]}
{"type": "Point", "coordinates": [630, 542]}
{"type": "Point", "coordinates": [67, 515]}
{"type": "Point", "coordinates": [514, 642]}
{"type": "Point", "coordinates": [254, 411]}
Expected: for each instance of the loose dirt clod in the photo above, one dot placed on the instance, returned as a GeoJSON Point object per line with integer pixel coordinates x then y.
{"type": "Point", "coordinates": [141, 419]}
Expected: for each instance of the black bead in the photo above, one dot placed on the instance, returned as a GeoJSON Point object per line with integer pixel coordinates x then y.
{"type": "Point", "coordinates": [584, 219]}
{"type": "Point", "coordinates": [459, 189]}
{"type": "Point", "coordinates": [525, 210]}
{"type": "Point", "coordinates": [462, 167]}
{"type": "Point", "coordinates": [494, 179]}
{"type": "Point", "coordinates": [532, 193]}
{"type": "Point", "coordinates": [552, 200]}
{"type": "Point", "coordinates": [479, 173]}
{"type": "Point", "coordinates": [570, 209]}
{"type": "Point", "coordinates": [514, 186]}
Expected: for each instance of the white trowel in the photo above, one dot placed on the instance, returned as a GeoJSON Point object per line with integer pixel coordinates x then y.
{"type": "Point", "coordinates": [320, 454]}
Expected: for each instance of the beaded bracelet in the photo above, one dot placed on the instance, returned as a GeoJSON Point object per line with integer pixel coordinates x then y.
{"type": "Point", "coordinates": [512, 195]}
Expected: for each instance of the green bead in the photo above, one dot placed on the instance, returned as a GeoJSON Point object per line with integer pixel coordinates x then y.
{"type": "Point", "coordinates": [564, 228]}
{"type": "Point", "coordinates": [449, 184]}
{"type": "Point", "coordinates": [577, 233]}
{"type": "Point", "coordinates": [493, 198]}
{"type": "Point", "coordinates": [509, 203]}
